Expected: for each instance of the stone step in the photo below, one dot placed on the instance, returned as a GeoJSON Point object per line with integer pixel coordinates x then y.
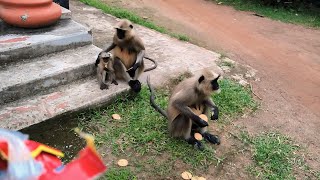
{"type": "Point", "coordinates": [67, 99]}
{"type": "Point", "coordinates": [66, 13]}
{"type": "Point", "coordinates": [45, 72]}
{"type": "Point", "coordinates": [19, 43]}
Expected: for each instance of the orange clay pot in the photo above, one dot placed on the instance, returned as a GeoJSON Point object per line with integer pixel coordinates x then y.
{"type": "Point", "coordinates": [29, 13]}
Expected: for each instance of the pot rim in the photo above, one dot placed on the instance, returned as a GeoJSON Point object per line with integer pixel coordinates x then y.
{"type": "Point", "coordinates": [25, 2]}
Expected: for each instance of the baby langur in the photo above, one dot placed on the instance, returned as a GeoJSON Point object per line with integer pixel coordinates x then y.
{"type": "Point", "coordinates": [128, 51]}
{"type": "Point", "coordinates": [189, 96]}
{"type": "Point", "coordinates": [105, 71]}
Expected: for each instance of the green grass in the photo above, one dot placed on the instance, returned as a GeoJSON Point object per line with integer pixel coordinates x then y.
{"type": "Point", "coordinates": [180, 36]}
{"type": "Point", "coordinates": [318, 174]}
{"type": "Point", "coordinates": [125, 14]}
{"type": "Point", "coordinates": [227, 63]}
{"type": "Point", "coordinates": [222, 56]}
{"type": "Point", "coordinates": [141, 134]}
{"type": "Point", "coordinates": [276, 156]}
{"type": "Point", "coordinates": [119, 174]}
{"type": "Point", "coordinates": [305, 17]}
{"type": "Point", "coordinates": [273, 156]}
{"type": "Point", "coordinates": [233, 100]}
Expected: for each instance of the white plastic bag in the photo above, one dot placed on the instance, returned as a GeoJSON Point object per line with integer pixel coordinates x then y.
{"type": "Point", "coordinates": [21, 165]}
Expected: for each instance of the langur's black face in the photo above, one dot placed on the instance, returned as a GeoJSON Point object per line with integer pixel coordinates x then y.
{"type": "Point", "coordinates": [215, 84]}
{"type": "Point", "coordinates": [121, 33]}
{"type": "Point", "coordinates": [105, 59]}
{"type": "Point", "coordinates": [209, 85]}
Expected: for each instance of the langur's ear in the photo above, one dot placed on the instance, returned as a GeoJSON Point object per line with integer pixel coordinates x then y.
{"type": "Point", "coordinates": [216, 79]}
{"type": "Point", "coordinates": [201, 79]}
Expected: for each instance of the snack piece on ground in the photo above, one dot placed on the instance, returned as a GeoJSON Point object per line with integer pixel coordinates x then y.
{"type": "Point", "coordinates": [123, 162]}
{"type": "Point", "coordinates": [186, 175]}
{"type": "Point", "coordinates": [116, 116]}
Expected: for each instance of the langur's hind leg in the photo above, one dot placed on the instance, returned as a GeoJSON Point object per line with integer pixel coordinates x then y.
{"type": "Point", "coordinates": [182, 127]}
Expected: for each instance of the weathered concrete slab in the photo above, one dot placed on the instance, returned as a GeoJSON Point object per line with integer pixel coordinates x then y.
{"type": "Point", "coordinates": [19, 43]}
{"type": "Point", "coordinates": [67, 99]}
{"type": "Point", "coordinates": [26, 79]}
{"type": "Point", "coordinates": [66, 13]}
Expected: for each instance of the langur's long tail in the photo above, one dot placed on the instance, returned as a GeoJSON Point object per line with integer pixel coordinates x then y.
{"type": "Point", "coordinates": [153, 67]}
{"type": "Point", "coordinates": [152, 98]}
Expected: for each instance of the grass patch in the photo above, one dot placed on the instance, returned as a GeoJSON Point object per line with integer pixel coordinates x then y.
{"type": "Point", "coordinates": [125, 14]}
{"type": "Point", "coordinates": [175, 80]}
{"type": "Point", "coordinates": [141, 134]}
{"type": "Point", "coordinates": [227, 63]}
{"type": "Point", "coordinates": [276, 156]}
{"type": "Point", "coordinates": [273, 155]}
{"type": "Point", "coordinates": [304, 17]}
{"type": "Point", "coordinates": [318, 174]}
{"type": "Point", "coordinates": [222, 56]}
{"type": "Point", "coordinates": [234, 99]}
{"type": "Point", "coordinates": [119, 174]}
{"type": "Point", "coordinates": [181, 37]}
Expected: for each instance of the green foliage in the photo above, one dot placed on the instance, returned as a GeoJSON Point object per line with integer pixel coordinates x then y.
{"type": "Point", "coordinates": [233, 99]}
{"type": "Point", "coordinates": [119, 174]}
{"type": "Point", "coordinates": [295, 4]}
{"type": "Point", "coordinates": [302, 16]}
{"type": "Point", "coordinates": [226, 63]}
{"type": "Point", "coordinates": [318, 174]}
{"type": "Point", "coordinates": [273, 156]}
{"type": "Point", "coordinates": [181, 37]}
{"type": "Point", "coordinates": [125, 14]}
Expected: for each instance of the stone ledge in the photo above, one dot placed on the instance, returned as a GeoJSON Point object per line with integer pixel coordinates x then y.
{"type": "Point", "coordinates": [64, 100]}
{"type": "Point", "coordinates": [66, 13]}
{"type": "Point", "coordinates": [19, 43]}
{"type": "Point", "coordinates": [46, 72]}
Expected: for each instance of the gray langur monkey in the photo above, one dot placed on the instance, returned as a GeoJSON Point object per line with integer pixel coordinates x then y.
{"type": "Point", "coordinates": [105, 71]}
{"type": "Point", "coordinates": [188, 97]}
{"type": "Point", "coordinates": [128, 51]}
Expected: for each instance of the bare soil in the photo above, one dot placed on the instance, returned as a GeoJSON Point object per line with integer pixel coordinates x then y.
{"type": "Point", "coordinates": [286, 56]}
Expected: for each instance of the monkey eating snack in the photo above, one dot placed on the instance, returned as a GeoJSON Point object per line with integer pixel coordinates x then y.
{"type": "Point", "coordinates": [189, 96]}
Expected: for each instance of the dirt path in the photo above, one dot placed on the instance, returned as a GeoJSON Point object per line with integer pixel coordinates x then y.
{"type": "Point", "coordinates": [286, 56]}
{"type": "Point", "coordinates": [290, 52]}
